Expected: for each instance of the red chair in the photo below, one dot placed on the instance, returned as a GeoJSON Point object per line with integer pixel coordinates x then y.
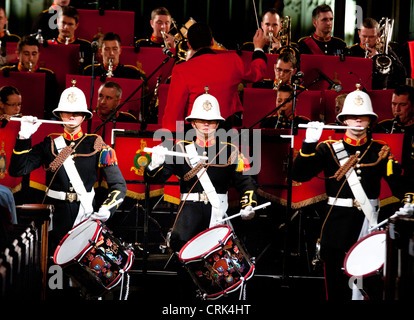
{"type": "Point", "coordinates": [93, 25]}
{"type": "Point", "coordinates": [32, 88]}
{"type": "Point", "coordinates": [11, 52]}
{"type": "Point", "coordinates": [148, 59]}
{"type": "Point", "coordinates": [62, 60]}
{"type": "Point", "coordinates": [381, 103]}
{"type": "Point", "coordinates": [411, 48]}
{"type": "Point", "coordinates": [346, 73]}
{"type": "Point", "coordinates": [128, 86]}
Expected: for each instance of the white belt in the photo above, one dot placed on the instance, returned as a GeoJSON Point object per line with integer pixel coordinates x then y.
{"type": "Point", "coordinates": [61, 195]}
{"type": "Point", "coordinates": [195, 197]}
{"type": "Point", "coordinates": [349, 202]}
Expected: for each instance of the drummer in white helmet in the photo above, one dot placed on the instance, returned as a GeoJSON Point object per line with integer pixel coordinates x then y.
{"type": "Point", "coordinates": [353, 168]}
{"type": "Point", "coordinates": [204, 198]}
{"type": "Point", "coordinates": [72, 160]}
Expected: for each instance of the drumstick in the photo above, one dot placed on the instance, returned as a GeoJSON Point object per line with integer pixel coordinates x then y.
{"type": "Point", "coordinates": [239, 214]}
{"type": "Point", "coordinates": [175, 153]}
{"type": "Point", "coordinates": [327, 126]}
{"type": "Point", "coordinates": [43, 121]}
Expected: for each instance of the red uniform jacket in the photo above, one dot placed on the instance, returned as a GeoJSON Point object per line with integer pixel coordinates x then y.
{"type": "Point", "coordinates": [221, 72]}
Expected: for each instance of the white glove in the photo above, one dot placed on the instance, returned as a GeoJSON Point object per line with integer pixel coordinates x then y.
{"type": "Point", "coordinates": [157, 157]}
{"type": "Point", "coordinates": [313, 134]}
{"type": "Point", "coordinates": [406, 211]}
{"type": "Point", "coordinates": [247, 213]}
{"type": "Point", "coordinates": [103, 214]}
{"type": "Point", "coordinates": [28, 126]}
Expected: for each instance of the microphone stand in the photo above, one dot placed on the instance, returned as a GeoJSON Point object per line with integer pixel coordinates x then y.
{"type": "Point", "coordinates": [115, 111]}
{"type": "Point", "coordinates": [293, 132]}
{"type": "Point", "coordinates": [147, 207]}
{"type": "Point", "coordinates": [89, 127]}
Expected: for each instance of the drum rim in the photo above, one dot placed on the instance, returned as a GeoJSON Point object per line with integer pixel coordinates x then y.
{"type": "Point", "coordinates": [84, 250]}
{"type": "Point", "coordinates": [354, 246]}
{"type": "Point", "coordinates": [204, 254]}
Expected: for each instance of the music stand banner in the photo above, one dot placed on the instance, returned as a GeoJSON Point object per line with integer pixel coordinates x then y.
{"type": "Point", "coordinates": [132, 160]}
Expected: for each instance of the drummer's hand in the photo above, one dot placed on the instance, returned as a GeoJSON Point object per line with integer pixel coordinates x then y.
{"type": "Point", "coordinates": [259, 39]}
{"type": "Point", "coordinates": [247, 213]}
{"type": "Point", "coordinates": [28, 126]}
{"type": "Point", "coordinates": [103, 214]}
{"type": "Point", "coordinates": [157, 157]}
{"type": "Point", "coordinates": [406, 211]}
{"type": "Point", "coordinates": [313, 134]}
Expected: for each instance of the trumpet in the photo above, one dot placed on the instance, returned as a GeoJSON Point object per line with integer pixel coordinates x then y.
{"type": "Point", "coordinates": [165, 39]}
{"type": "Point", "coordinates": [382, 60]}
{"type": "Point", "coordinates": [285, 37]}
{"type": "Point", "coordinates": [30, 66]}
{"type": "Point", "coordinates": [110, 73]}
{"type": "Point", "coordinates": [278, 82]}
{"type": "Point", "coordinates": [270, 49]}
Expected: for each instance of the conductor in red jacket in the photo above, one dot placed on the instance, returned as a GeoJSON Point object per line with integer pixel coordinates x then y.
{"type": "Point", "coordinates": [221, 72]}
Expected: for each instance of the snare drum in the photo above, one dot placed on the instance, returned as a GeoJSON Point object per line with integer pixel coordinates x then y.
{"type": "Point", "coordinates": [92, 256]}
{"type": "Point", "coordinates": [217, 262]}
{"type": "Point", "coordinates": [367, 256]}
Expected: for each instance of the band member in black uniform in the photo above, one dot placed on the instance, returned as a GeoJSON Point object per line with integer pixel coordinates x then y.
{"type": "Point", "coordinates": [321, 41]}
{"type": "Point", "coordinates": [203, 196]}
{"type": "Point", "coordinates": [161, 25]}
{"type": "Point", "coordinates": [402, 106]}
{"type": "Point", "coordinates": [271, 25]}
{"type": "Point", "coordinates": [68, 22]}
{"type": "Point", "coordinates": [110, 49]}
{"type": "Point", "coordinates": [369, 47]}
{"type": "Point", "coordinates": [72, 160]}
{"type": "Point", "coordinates": [353, 168]}
{"type": "Point", "coordinates": [284, 116]}
{"type": "Point", "coordinates": [29, 52]}
{"type": "Point", "coordinates": [46, 21]}
{"type": "Point", "coordinates": [109, 98]}
{"type": "Point", "coordinates": [5, 36]}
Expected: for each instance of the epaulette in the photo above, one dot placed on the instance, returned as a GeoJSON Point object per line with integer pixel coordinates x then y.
{"type": "Point", "coordinates": [303, 38]}
{"type": "Point", "coordinates": [382, 121]}
{"type": "Point", "coordinates": [355, 44]}
{"type": "Point", "coordinates": [134, 67]}
{"type": "Point", "coordinates": [89, 66]}
{"type": "Point", "coordinates": [141, 40]}
{"type": "Point", "coordinates": [84, 40]}
{"type": "Point", "coordinates": [6, 67]}
{"type": "Point", "coordinates": [338, 39]}
{"type": "Point", "coordinates": [46, 69]}
{"type": "Point", "coordinates": [329, 141]}
{"type": "Point", "coordinates": [54, 134]}
{"type": "Point", "coordinates": [15, 35]}
{"type": "Point", "coordinates": [380, 142]}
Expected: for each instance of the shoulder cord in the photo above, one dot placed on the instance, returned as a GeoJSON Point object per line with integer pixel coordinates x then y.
{"type": "Point", "coordinates": [55, 165]}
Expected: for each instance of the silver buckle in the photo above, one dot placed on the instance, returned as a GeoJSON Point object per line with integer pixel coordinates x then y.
{"type": "Point", "coordinates": [203, 197]}
{"type": "Point", "coordinates": [71, 197]}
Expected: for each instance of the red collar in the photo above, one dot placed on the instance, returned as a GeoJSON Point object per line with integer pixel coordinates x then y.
{"type": "Point", "coordinates": [2, 34]}
{"type": "Point", "coordinates": [63, 41]}
{"type": "Point", "coordinates": [23, 69]}
{"type": "Point", "coordinates": [355, 142]}
{"type": "Point", "coordinates": [316, 37]}
{"type": "Point", "coordinates": [72, 137]}
{"type": "Point", "coordinates": [156, 39]}
{"type": "Point", "coordinates": [208, 143]}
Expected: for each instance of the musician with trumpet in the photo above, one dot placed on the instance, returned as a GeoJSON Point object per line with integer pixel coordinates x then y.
{"type": "Point", "coordinates": [353, 168]}
{"type": "Point", "coordinates": [388, 70]}
{"type": "Point", "coordinates": [28, 49]}
{"type": "Point", "coordinates": [160, 22]}
{"type": "Point", "coordinates": [71, 160]}
{"type": "Point", "coordinates": [111, 66]}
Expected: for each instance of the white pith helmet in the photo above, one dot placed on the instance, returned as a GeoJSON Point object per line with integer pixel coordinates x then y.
{"type": "Point", "coordinates": [205, 107]}
{"type": "Point", "coordinates": [72, 100]}
{"type": "Point", "coordinates": [357, 103]}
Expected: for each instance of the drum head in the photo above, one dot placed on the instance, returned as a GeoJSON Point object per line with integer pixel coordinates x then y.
{"type": "Point", "coordinates": [367, 256]}
{"type": "Point", "coordinates": [204, 243]}
{"type": "Point", "coordinates": [76, 242]}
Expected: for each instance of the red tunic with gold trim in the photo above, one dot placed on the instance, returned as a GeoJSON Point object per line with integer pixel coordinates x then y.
{"type": "Point", "coordinates": [221, 72]}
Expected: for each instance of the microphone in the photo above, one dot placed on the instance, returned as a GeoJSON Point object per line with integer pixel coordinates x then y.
{"type": "Point", "coordinates": [297, 78]}
{"type": "Point", "coordinates": [332, 85]}
{"type": "Point", "coordinates": [168, 52]}
{"type": "Point", "coordinates": [94, 46]}
{"type": "Point", "coordinates": [394, 123]}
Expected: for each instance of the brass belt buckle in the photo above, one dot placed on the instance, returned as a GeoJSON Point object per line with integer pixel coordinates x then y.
{"type": "Point", "coordinates": [203, 197]}
{"type": "Point", "coordinates": [71, 197]}
{"type": "Point", "coordinates": [356, 204]}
